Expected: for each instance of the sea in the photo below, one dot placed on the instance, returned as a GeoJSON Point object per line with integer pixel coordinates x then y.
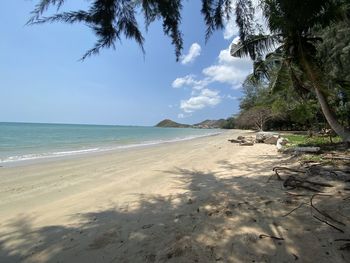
{"type": "Point", "coordinates": [34, 141]}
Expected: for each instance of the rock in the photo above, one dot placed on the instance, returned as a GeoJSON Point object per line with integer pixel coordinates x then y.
{"type": "Point", "coordinates": [249, 139]}
{"type": "Point", "coordinates": [262, 136]}
{"type": "Point", "coordinates": [280, 143]}
{"type": "Point", "coordinates": [272, 140]}
{"type": "Point", "coordinates": [240, 138]}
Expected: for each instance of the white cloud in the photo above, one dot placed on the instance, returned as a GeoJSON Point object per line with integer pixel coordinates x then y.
{"type": "Point", "coordinates": [184, 81]}
{"type": "Point", "coordinates": [190, 81]}
{"type": "Point", "coordinates": [205, 98]}
{"type": "Point", "coordinates": [230, 97]}
{"type": "Point", "coordinates": [231, 29]}
{"type": "Point", "coordinates": [193, 53]}
{"type": "Point", "coordinates": [226, 70]}
{"type": "Point", "coordinates": [229, 70]}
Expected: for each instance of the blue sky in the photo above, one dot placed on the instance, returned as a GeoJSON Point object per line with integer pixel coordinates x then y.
{"type": "Point", "coordinates": [42, 79]}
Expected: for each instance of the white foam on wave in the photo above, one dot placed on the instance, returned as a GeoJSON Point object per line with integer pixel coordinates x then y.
{"type": "Point", "coordinates": [29, 157]}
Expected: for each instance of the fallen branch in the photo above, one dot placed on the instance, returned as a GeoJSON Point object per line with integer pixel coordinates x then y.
{"type": "Point", "coordinates": [292, 182]}
{"type": "Point", "coordinates": [324, 213]}
{"type": "Point", "coordinates": [317, 183]}
{"type": "Point", "coordinates": [295, 209]}
{"type": "Point", "coordinates": [324, 221]}
{"type": "Point", "coordinates": [246, 144]}
{"type": "Point", "coordinates": [288, 169]}
{"type": "Point", "coordinates": [273, 237]}
{"type": "Point", "coordinates": [319, 170]}
{"type": "Point", "coordinates": [294, 194]}
{"type": "Point", "coordinates": [332, 172]}
{"type": "Point", "coordinates": [234, 141]}
{"type": "Point", "coordinates": [307, 149]}
{"type": "Point", "coordinates": [345, 247]}
{"type": "Point", "coordinates": [336, 158]}
{"type": "Point", "coordinates": [277, 168]}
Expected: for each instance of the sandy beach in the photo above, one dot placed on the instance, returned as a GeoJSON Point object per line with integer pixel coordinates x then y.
{"type": "Point", "coordinates": [202, 200]}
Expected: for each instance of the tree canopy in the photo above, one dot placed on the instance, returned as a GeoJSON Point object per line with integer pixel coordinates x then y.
{"type": "Point", "coordinates": [294, 32]}
{"type": "Point", "coordinates": [286, 49]}
{"type": "Point", "coordinates": [112, 19]}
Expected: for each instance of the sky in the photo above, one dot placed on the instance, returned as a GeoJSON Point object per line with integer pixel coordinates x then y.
{"type": "Point", "coordinates": [42, 79]}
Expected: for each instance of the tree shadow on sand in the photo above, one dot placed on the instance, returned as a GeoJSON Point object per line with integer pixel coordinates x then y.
{"type": "Point", "coordinates": [217, 217]}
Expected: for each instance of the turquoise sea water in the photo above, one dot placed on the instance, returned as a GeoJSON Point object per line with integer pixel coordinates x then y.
{"type": "Point", "coordinates": [30, 141]}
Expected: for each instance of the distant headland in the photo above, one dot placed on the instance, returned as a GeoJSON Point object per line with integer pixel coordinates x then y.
{"type": "Point", "coordinates": [207, 124]}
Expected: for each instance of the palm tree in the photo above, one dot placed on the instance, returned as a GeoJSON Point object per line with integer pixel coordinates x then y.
{"type": "Point", "coordinates": [291, 25]}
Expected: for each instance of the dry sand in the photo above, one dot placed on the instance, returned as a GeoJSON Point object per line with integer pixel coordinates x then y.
{"type": "Point", "coordinates": [204, 200]}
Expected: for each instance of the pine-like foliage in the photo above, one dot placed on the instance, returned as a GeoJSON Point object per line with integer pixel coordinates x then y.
{"type": "Point", "coordinates": [111, 20]}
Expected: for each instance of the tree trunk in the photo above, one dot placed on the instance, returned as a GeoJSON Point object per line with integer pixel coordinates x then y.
{"type": "Point", "coordinates": [327, 111]}
{"type": "Point", "coordinates": [330, 117]}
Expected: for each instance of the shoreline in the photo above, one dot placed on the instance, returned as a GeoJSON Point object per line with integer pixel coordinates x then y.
{"type": "Point", "coordinates": [201, 200]}
{"type": "Point", "coordinates": [73, 154]}
{"type": "Point", "coordinates": [37, 183]}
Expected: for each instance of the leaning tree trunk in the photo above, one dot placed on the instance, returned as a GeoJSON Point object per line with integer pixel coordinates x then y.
{"type": "Point", "coordinates": [331, 118]}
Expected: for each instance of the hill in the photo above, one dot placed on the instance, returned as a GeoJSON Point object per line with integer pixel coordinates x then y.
{"type": "Point", "coordinates": [171, 124]}
{"type": "Point", "coordinates": [207, 124]}
{"type": "Point", "coordinates": [210, 124]}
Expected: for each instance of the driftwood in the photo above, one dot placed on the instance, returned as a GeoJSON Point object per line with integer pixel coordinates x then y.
{"type": "Point", "coordinates": [243, 141]}
{"type": "Point", "coordinates": [301, 150]}
{"type": "Point", "coordinates": [345, 247]}
{"type": "Point", "coordinates": [273, 237]}
{"type": "Point", "coordinates": [234, 141]}
{"type": "Point", "coordinates": [287, 169]}
{"type": "Point", "coordinates": [307, 149]}
{"type": "Point", "coordinates": [246, 144]}
{"type": "Point", "coordinates": [294, 182]}
{"type": "Point", "coordinates": [294, 194]}
{"type": "Point", "coordinates": [278, 168]}
{"type": "Point", "coordinates": [318, 169]}
{"type": "Point", "coordinates": [324, 214]}
{"type": "Point", "coordinates": [324, 221]}
{"type": "Point", "coordinates": [294, 209]}
{"type": "Point", "coordinates": [337, 158]}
